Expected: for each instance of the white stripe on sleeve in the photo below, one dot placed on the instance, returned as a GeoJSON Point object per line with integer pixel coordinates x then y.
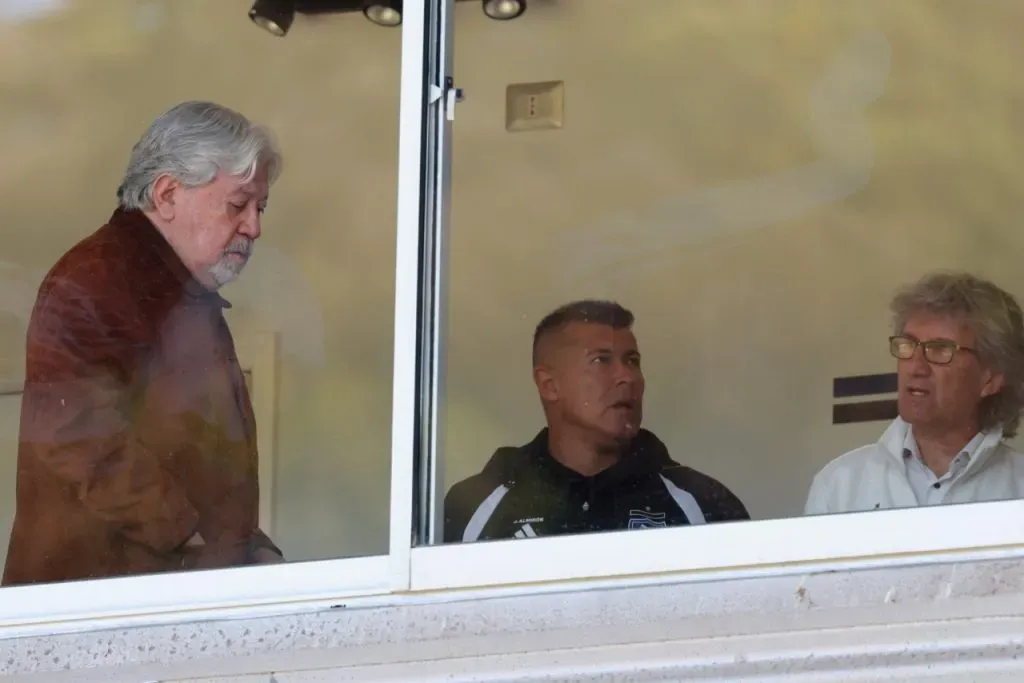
{"type": "Point", "coordinates": [685, 500]}
{"type": "Point", "coordinates": [483, 514]}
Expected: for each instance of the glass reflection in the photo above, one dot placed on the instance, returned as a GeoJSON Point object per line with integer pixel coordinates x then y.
{"type": "Point", "coordinates": [756, 182]}
{"type": "Point", "coordinates": [79, 84]}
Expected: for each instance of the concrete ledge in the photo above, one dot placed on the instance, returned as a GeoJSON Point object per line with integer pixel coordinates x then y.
{"type": "Point", "coordinates": [950, 619]}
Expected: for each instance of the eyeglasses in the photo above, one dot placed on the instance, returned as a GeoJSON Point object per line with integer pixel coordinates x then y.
{"type": "Point", "coordinates": [937, 351]}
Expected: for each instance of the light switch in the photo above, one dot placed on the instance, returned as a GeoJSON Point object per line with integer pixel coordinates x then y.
{"type": "Point", "coordinates": [534, 106]}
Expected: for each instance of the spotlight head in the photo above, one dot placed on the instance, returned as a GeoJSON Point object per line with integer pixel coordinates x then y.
{"type": "Point", "coordinates": [504, 10]}
{"type": "Point", "coordinates": [276, 16]}
{"type": "Point", "coordinates": [384, 12]}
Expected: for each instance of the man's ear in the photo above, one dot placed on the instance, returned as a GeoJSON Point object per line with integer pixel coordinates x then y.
{"type": "Point", "coordinates": [992, 383]}
{"type": "Point", "coordinates": [546, 385]}
{"type": "Point", "coordinates": [165, 195]}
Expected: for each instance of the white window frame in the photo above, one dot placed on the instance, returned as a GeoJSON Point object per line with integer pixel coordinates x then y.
{"type": "Point", "coordinates": [407, 573]}
{"type": "Point", "coordinates": [716, 551]}
{"type": "Point", "coordinates": [248, 591]}
{"type": "Point", "coordinates": [978, 531]}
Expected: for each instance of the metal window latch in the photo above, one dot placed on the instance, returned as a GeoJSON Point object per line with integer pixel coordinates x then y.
{"type": "Point", "coordinates": [449, 94]}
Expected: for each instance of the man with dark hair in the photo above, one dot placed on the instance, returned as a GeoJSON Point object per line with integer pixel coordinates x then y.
{"type": "Point", "coordinates": [593, 468]}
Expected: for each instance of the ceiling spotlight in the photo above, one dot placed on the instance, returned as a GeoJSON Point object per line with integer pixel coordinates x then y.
{"type": "Point", "coordinates": [384, 12]}
{"type": "Point", "coordinates": [275, 16]}
{"type": "Point", "coordinates": [504, 9]}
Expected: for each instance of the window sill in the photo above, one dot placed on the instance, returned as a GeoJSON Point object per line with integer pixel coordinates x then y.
{"type": "Point", "coordinates": [952, 619]}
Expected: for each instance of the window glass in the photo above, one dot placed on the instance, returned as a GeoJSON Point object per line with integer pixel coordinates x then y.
{"type": "Point", "coordinates": [754, 182]}
{"type": "Point", "coordinates": [146, 424]}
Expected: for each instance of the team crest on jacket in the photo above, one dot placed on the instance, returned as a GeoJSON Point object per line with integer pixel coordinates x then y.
{"type": "Point", "coordinates": [641, 519]}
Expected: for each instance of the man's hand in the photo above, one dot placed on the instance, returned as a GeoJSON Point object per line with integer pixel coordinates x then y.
{"type": "Point", "coordinates": [198, 554]}
{"type": "Point", "coordinates": [266, 556]}
{"type": "Point", "coordinates": [195, 541]}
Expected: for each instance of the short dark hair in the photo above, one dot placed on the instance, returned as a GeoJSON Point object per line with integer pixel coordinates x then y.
{"type": "Point", "coordinates": [585, 311]}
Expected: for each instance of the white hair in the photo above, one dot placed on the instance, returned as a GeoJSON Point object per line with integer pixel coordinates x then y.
{"type": "Point", "coordinates": [192, 142]}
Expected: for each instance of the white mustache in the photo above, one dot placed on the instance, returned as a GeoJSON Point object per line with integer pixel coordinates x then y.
{"type": "Point", "coordinates": [240, 245]}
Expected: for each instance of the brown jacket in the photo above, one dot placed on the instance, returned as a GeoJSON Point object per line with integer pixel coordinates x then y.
{"type": "Point", "coordinates": [136, 426]}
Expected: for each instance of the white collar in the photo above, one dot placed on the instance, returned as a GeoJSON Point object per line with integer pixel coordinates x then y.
{"type": "Point", "coordinates": [898, 435]}
{"type": "Point", "coordinates": [910, 447]}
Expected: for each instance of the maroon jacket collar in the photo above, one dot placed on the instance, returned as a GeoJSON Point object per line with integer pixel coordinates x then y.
{"type": "Point", "coordinates": [135, 226]}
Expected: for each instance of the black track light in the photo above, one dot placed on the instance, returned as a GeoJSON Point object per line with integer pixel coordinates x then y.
{"type": "Point", "coordinates": [275, 16]}
{"type": "Point", "coordinates": [384, 12]}
{"type": "Point", "coordinates": [504, 9]}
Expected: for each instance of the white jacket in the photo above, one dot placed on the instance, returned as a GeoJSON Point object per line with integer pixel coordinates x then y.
{"type": "Point", "coordinates": [875, 477]}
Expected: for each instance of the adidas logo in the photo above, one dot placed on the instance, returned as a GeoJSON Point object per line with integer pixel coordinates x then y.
{"type": "Point", "coordinates": [526, 532]}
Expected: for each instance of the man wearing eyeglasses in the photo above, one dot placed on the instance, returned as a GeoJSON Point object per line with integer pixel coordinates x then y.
{"type": "Point", "coordinates": [959, 345]}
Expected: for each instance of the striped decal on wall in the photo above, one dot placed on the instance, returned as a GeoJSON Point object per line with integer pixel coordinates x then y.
{"type": "Point", "coordinates": [875, 409]}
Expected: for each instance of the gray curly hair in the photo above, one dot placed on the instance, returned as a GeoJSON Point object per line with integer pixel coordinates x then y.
{"type": "Point", "coordinates": [192, 141]}
{"type": "Point", "coordinates": [997, 322]}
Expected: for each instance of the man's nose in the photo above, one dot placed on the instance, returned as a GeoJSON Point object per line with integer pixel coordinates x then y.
{"type": "Point", "coordinates": [918, 364]}
{"type": "Point", "coordinates": [626, 373]}
{"type": "Point", "coordinates": [250, 227]}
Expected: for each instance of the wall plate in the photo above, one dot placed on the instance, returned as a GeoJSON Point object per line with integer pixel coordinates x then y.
{"type": "Point", "coordinates": [535, 106]}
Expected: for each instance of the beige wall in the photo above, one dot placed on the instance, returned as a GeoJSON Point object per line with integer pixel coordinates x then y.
{"type": "Point", "coordinates": [752, 178]}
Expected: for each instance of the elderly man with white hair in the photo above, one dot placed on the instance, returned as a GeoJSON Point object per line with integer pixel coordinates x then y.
{"type": "Point", "coordinates": [959, 345]}
{"type": "Point", "coordinates": [137, 450]}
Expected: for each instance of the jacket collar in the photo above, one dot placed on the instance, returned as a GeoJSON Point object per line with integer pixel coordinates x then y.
{"type": "Point", "coordinates": [646, 454]}
{"type": "Point", "coordinates": [895, 435]}
{"type": "Point", "coordinates": [134, 226]}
